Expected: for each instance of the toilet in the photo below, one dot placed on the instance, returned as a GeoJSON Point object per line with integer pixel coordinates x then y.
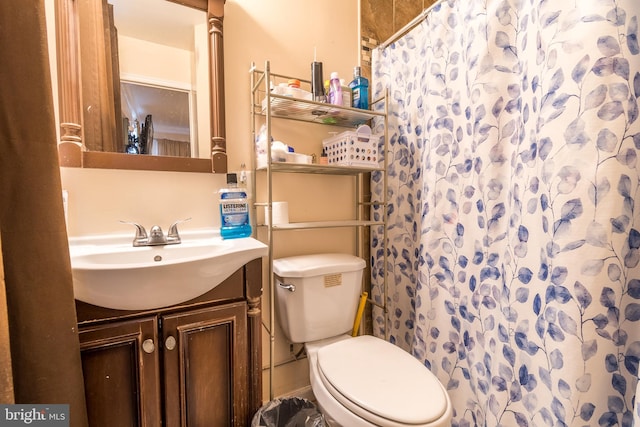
{"type": "Point", "coordinates": [357, 381]}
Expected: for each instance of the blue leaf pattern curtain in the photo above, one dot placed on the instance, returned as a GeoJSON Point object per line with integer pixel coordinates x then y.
{"type": "Point", "coordinates": [513, 242]}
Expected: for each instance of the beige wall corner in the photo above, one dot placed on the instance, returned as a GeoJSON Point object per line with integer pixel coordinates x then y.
{"type": "Point", "coordinates": [6, 373]}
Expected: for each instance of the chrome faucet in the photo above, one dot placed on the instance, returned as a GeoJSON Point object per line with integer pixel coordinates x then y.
{"type": "Point", "coordinates": [156, 237]}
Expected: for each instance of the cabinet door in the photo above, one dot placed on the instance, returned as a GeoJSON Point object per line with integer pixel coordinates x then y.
{"type": "Point", "coordinates": [121, 373]}
{"type": "Point", "coordinates": [206, 367]}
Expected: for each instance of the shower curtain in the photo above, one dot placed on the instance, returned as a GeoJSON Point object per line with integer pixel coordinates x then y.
{"type": "Point", "coordinates": [513, 233]}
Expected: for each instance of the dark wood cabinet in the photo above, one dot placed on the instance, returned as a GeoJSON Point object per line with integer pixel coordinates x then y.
{"type": "Point", "coordinates": [121, 379]}
{"type": "Point", "coordinates": [197, 364]}
{"type": "Point", "coordinates": [202, 373]}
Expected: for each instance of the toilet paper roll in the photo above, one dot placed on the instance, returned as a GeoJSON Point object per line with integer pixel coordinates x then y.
{"type": "Point", "coordinates": [280, 213]}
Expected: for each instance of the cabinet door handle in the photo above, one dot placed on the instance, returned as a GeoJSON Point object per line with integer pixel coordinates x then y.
{"type": "Point", "coordinates": [170, 343]}
{"type": "Point", "coordinates": [148, 346]}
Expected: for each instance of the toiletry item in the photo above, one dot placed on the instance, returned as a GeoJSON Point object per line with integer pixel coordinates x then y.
{"type": "Point", "coordinates": [234, 210]}
{"type": "Point", "coordinates": [317, 89]}
{"type": "Point", "coordinates": [346, 94]}
{"type": "Point", "coordinates": [335, 89]}
{"type": "Point", "coordinates": [360, 90]}
{"type": "Point", "coordinates": [279, 151]}
{"type": "Point", "coordinates": [280, 213]}
{"type": "Point", "coordinates": [324, 160]}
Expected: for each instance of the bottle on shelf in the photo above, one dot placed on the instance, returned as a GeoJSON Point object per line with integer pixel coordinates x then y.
{"type": "Point", "coordinates": [318, 91]}
{"type": "Point", "coordinates": [234, 210]}
{"type": "Point", "coordinates": [335, 89]}
{"type": "Point", "coordinates": [324, 159]}
{"type": "Point", "coordinates": [359, 89]}
{"type": "Point", "coordinates": [347, 98]}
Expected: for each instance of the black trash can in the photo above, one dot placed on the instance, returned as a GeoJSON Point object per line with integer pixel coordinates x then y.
{"type": "Point", "coordinates": [288, 412]}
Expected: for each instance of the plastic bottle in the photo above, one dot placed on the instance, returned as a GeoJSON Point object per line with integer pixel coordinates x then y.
{"type": "Point", "coordinates": [347, 98]}
{"type": "Point", "coordinates": [324, 159]}
{"type": "Point", "coordinates": [360, 90]}
{"type": "Point", "coordinates": [335, 89]}
{"type": "Point", "coordinates": [317, 89]}
{"type": "Point", "coordinates": [234, 210]}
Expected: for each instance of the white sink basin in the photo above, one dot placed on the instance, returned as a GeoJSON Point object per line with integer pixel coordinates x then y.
{"type": "Point", "coordinates": [109, 272]}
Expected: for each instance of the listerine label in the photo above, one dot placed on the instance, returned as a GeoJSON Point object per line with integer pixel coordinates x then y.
{"type": "Point", "coordinates": [234, 208]}
{"type": "Point", "coordinates": [356, 96]}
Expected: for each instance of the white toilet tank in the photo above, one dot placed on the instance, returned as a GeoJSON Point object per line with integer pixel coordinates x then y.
{"type": "Point", "coordinates": [317, 295]}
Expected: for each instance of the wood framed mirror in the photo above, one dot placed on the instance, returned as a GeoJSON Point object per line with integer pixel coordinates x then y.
{"type": "Point", "coordinates": [88, 90]}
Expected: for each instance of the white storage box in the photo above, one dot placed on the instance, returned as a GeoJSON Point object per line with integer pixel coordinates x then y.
{"type": "Point", "coordinates": [352, 148]}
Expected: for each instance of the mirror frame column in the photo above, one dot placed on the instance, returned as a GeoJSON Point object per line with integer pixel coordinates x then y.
{"type": "Point", "coordinates": [215, 15]}
{"type": "Point", "coordinates": [69, 85]}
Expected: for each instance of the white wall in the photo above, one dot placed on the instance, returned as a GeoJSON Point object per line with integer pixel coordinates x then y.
{"type": "Point", "coordinates": [284, 32]}
{"type": "Point", "coordinates": [155, 62]}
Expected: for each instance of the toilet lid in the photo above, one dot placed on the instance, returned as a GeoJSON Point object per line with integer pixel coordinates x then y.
{"type": "Point", "coordinates": [382, 380]}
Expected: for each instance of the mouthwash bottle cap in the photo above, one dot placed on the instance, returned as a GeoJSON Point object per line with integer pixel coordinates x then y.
{"type": "Point", "coordinates": [334, 75]}
{"type": "Point", "coordinates": [357, 71]}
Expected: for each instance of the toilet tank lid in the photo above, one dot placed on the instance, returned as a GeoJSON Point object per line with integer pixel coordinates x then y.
{"type": "Point", "coordinates": [317, 265]}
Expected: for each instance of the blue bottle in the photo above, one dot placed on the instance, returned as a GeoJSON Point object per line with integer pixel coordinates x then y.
{"type": "Point", "coordinates": [234, 210]}
{"type": "Point", "coordinates": [360, 90]}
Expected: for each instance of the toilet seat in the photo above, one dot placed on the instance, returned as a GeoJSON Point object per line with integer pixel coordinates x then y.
{"type": "Point", "coordinates": [406, 395]}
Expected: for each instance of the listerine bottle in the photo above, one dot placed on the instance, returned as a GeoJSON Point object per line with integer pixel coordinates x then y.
{"type": "Point", "coordinates": [360, 90]}
{"type": "Point", "coordinates": [234, 210]}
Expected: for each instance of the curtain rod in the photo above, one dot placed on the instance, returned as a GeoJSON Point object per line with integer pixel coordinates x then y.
{"type": "Point", "coordinates": [414, 23]}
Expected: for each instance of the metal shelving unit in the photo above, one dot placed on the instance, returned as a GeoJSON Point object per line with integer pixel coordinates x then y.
{"type": "Point", "coordinates": [271, 106]}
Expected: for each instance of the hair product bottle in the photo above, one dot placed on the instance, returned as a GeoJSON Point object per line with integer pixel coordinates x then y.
{"type": "Point", "coordinates": [335, 89]}
{"type": "Point", "coordinates": [347, 99]}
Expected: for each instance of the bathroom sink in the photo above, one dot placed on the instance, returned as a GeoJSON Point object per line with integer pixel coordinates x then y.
{"type": "Point", "coordinates": [109, 272]}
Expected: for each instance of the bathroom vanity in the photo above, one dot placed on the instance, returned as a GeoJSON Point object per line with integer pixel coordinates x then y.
{"type": "Point", "coordinates": [196, 363]}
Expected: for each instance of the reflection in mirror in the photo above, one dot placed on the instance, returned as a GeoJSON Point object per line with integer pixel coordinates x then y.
{"type": "Point", "coordinates": [156, 121]}
{"type": "Point", "coordinates": [95, 43]}
{"type": "Point", "coordinates": [159, 44]}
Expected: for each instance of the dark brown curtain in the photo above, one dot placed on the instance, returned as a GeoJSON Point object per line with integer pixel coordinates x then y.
{"type": "Point", "coordinates": [45, 353]}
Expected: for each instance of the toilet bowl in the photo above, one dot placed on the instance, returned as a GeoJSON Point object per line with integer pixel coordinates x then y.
{"type": "Point", "coordinates": [359, 381]}
{"type": "Point", "coordinates": [365, 382]}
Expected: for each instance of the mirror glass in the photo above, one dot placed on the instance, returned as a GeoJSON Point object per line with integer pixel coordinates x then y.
{"type": "Point", "coordinates": [161, 55]}
{"type": "Point", "coordinates": [156, 120]}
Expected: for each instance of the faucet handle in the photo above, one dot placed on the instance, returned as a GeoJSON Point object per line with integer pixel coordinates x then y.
{"type": "Point", "coordinates": [173, 229]}
{"type": "Point", "coordinates": [141, 233]}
